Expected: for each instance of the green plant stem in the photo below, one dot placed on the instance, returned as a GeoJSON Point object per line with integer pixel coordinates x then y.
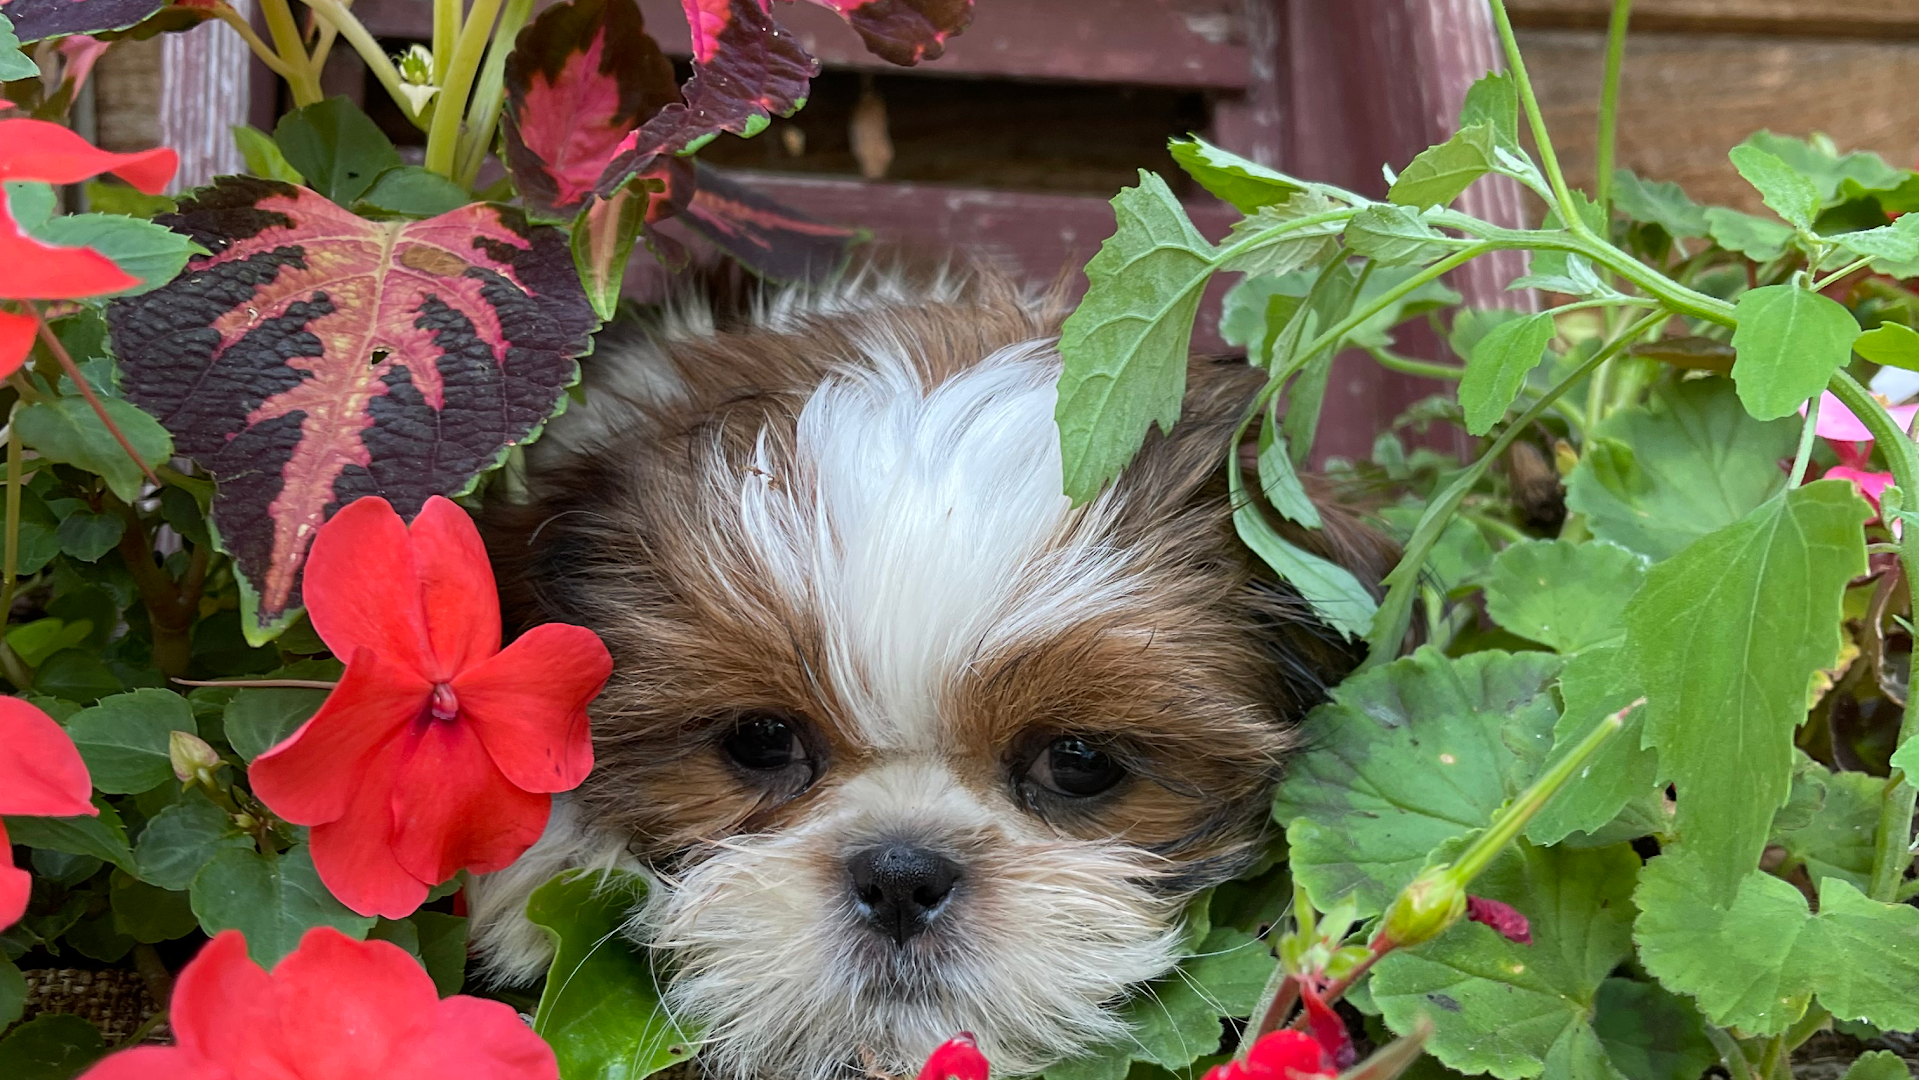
{"type": "Point", "coordinates": [302, 80]}
{"type": "Point", "coordinates": [1395, 612]}
{"type": "Point", "coordinates": [261, 49]}
{"type": "Point", "coordinates": [52, 342]}
{"type": "Point", "coordinates": [1815, 1020]}
{"type": "Point", "coordinates": [1541, 137]}
{"type": "Point", "coordinates": [171, 606]}
{"type": "Point", "coordinates": [1609, 104]}
{"type": "Point", "coordinates": [1730, 1052]}
{"type": "Point", "coordinates": [483, 115]}
{"type": "Point", "coordinates": [335, 14]}
{"type": "Point", "coordinates": [12, 666]}
{"type": "Point", "coordinates": [323, 45]}
{"type": "Point", "coordinates": [140, 1033]}
{"type": "Point", "coordinates": [1892, 850]}
{"type": "Point", "coordinates": [446, 31]}
{"type": "Point", "coordinates": [443, 136]}
{"type": "Point", "coordinates": [1392, 361]}
{"type": "Point", "coordinates": [1851, 267]}
{"type": "Point", "coordinates": [1804, 456]}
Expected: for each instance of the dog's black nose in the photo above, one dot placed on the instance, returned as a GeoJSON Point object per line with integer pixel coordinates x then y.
{"type": "Point", "coordinates": [900, 888]}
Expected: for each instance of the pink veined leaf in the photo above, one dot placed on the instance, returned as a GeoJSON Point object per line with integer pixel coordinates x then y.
{"type": "Point", "coordinates": [603, 237]}
{"type": "Point", "coordinates": [904, 31]}
{"type": "Point", "coordinates": [81, 52]}
{"type": "Point", "coordinates": [746, 69]}
{"type": "Point", "coordinates": [772, 240]}
{"type": "Point", "coordinates": [36, 19]}
{"type": "Point", "coordinates": [1503, 918]}
{"type": "Point", "coordinates": [579, 79]}
{"type": "Point", "coordinates": [315, 357]}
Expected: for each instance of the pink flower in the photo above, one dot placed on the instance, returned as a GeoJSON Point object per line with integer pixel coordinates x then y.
{"type": "Point", "coordinates": [958, 1058]}
{"type": "Point", "coordinates": [1851, 440]}
{"type": "Point", "coordinates": [41, 775]}
{"type": "Point", "coordinates": [334, 1009]}
{"type": "Point", "coordinates": [1503, 918]}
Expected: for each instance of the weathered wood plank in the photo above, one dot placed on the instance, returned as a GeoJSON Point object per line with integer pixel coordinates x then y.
{"type": "Point", "coordinates": [1870, 18]}
{"type": "Point", "coordinates": [1688, 99]}
{"type": "Point", "coordinates": [205, 82]}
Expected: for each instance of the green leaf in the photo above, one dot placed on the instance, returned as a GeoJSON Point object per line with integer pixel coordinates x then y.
{"type": "Point", "coordinates": [1125, 346]}
{"type": "Point", "coordinates": [67, 430]}
{"type": "Point", "coordinates": [1565, 271]}
{"type": "Point", "coordinates": [1394, 236]}
{"type": "Point", "coordinates": [1878, 1065]}
{"type": "Point", "coordinates": [272, 899]}
{"type": "Point", "coordinates": [1726, 636]}
{"type": "Point", "coordinates": [1754, 237]}
{"type": "Point", "coordinates": [1890, 344]}
{"type": "Point", "coordinates": [1246, 184]}
{"type": "Point", "coordinates": [1791, 195]}
{"type": "Point", "coordinates": [1498, 368]}
{"type": "Point", "coordinates": [1460, 554]}
{"type": "Point", "coordinates": [1565, 596]}
{"type": "Point", "coordinates": [1897, 242]}
{"type": "Point", "coordinates": [1440, 173]}
{"type": "Point", "coordinates": [35, 641]}
{"type": "Point", "coordinates": [110, 198]}
{"type": "Point", "coordinates": [1837, 834]}
{"type": "Point", "coordinates": [76, 675]}
{"type": "Point", "coordinates": [53, 1046]}
{"type": "Point", "coordinates": [603, 237]}
{"type": "Point", "coordinates": [1701, 463]}
{"type": "Point", "coordinates": [1244, 309]}
{"type": "Point", "coordinates": [442, 949]}
{"type": "Point", "coordinates": [260, 717]}
{"type": "Point", "coordinates": [1494, 100]}
{"type": "Point", "coordinates": [1663, 203]}
{"type": "Point", "coordinates": [1329, 302]}
{"type": "Point", "coordinates": [1756, 964]}
{"type": "Point", "coordinates": [1280, 483]}
{"type": "Point", "coordinates": [1304, 246]}
{"type": "Point", "coordinates": [14, 64]}
{"type": "Point", "coordinates": [1519, 1010]}
{"type": "Point", "coordinates": [262, 155]}
{"type": "Point", "coordinates": [1651, 1034]}
{"type": "Point", "coordinates": [1906, 758]}
{"type": "Point", "coordinates": [1336, 595]}
{"type": "Point", "coordinates": [1594, 685]}
{"type": "Point", "coordinates": [1788, 344]}
{"type": "Point", "coordinates": [183, 838]}
{"type": "Point", "coordinates": [338, 148]}
{"type": "Point", "coordinates": [412, 191]}
{"type": "Point", "coordinates": [124, 738]}
{"type": "Point", "coordinates": [1407, 757]}
{"type": "Point", "coordinates": [39, 539]}
{"type": "Point", "coordinates": [103, 837]}
{"type": "Point", "coordinates": [13, 992]}
{"type": "Point", "coordinates": [1830, 172]}
{"type": "Point", "coordinates": [86, 535]}
{"type": "Point", "coordinates": [601, 1008]}
{"type": "Point", "coordinates": [153, 253]}
{"type": "Point", "coordinates": [148, 913]}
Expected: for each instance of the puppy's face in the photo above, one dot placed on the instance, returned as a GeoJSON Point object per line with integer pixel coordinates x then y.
{"type": "Point", "coordinates": [914, 745]}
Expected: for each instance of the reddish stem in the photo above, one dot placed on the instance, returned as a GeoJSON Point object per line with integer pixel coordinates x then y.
{"type": "Point", "coordinates": [303, 684]}
{"type": "Point", "coordinates": [73, 372]}
{"type": "Point", "coordinates": [1379, 947]}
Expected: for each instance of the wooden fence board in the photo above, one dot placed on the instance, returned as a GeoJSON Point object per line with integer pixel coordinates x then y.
{"type": "Point", "coordinates": [1875, 18]}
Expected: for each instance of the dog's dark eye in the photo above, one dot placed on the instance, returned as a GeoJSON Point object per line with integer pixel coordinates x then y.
{"type": "Point", "coordinates": [1074, 767]}
{"type": "Point", "coordinates": [764, 742]}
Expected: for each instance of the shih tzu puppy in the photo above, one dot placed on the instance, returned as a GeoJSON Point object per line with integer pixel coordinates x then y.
{"type": "Point", "coordinates": [910, 744]}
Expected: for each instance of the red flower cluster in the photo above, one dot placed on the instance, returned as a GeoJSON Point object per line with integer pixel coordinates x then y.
{"type": "Point", "coordinates": [36, 150]}
{"type": "Point", "coordinates": [438, 750]}
{"type": "Point", "coordinates": [1280, 1055]}
{"type": "Point", "coordinates": [958, 1058]}
{"type": "Point", "coordinates": [41, 775]}
{"type": "Point", "coordinates": [334, 1009]}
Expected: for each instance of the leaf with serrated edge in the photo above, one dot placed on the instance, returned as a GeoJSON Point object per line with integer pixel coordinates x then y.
{"type": "Point", "coordinates": [1245, 183]}
{"type": "Point", "coordinates": [1494, 100]}
{"type": "Point", "coordinates": [1440, 173]}
{"type": "Point", "coordinates": [68, 430]}
{"type": "Point", "coordinates": [124, 738]}
{"type": "Point", "coordinates": [337, 147]}
{"type": "Point", "coordinates": [1498, 367]}
{"type": "Point", "coordinates": [1725, 636]}
{"type": "Point", "coordinates": [768, 237]}
{"type": "Point", "coordinates": [1788, 343]}
{"type": "Point", "coordinates": [102, 836]}
{"type": "Point", "coordinates": [601, 1008]}
{"type": "Point", "coordinates": [1511, 1009]}
{"type": "Point", "coordinates": [1125, 347]}
{"type": "Point", "coordinates": [1838, 837]}
{"type": "Point", "coordinates": [1897, 242]}
{"type": "Point", "coordinates": [184, 837]}
{"type": "Point", "coordinates": [316, 357]}
{"type": "Point", "coordinates": [1593, 685]}
{"type": "Point", "coordinates": [1650, 1033]}
{"type": "Point", "coordinates": [1754, 237]}
{"type": "Point", "coordinates": [1563, 595]}
{"type": "Point", "coordinates": [1661, 202]}
{"type": "Point", "coordinates": [1878, 1065]}
{"type": "Point", "coordinates": [904, 31]}
{"type": "Point", "coordinates": [1336, 595]}
{"type": "Point", "coordinates": [1790, 195]}
{"type": "Point", "coordinates": [34, 20]}
{"type": "Point", "coordinates": [1701, 463]}
{"type": "Point", "coordinates": [1408, 756]}
{"type": "Point", "coordinates": [272, 899]}
{"type": "Point", "coordinates": [1279, 482]}
{"type": "Point", "coordinates": [1394, 236]}
{"type": "Point", "coordinates": [14, 64]}
{"type": "Point", "coordinates": [1305, 246]}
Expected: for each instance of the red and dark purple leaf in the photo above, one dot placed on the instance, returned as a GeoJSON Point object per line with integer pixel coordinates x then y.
{"type": "Point", "coordinates": [579, 79]}
{"type": "Point", "coordinates": [36, 19]}
{"type": "Point", "coordinates": [746, 69]}
{"type": "Point", "coordinates": [771, 239]}
{"type": "Point", "coordinates": [315, 357]}
{"type": "Point", "coordinates": [904, 31]}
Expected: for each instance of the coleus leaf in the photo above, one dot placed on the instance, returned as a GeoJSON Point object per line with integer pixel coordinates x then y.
{"type": "Point", "coordinates": [315, 357]}
{"type": "Point", "coordinates": [768, 237]}
{"type": "Point", "coordinates": [36, 19]}
{"type": "Point", "coordinates": [580, 78]}
{"type": "Point", "coordinates": [746, 69]}
{"type": "Point", "coordinates": [904, 31]}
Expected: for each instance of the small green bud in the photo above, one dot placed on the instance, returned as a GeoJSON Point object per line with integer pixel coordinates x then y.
{"type": "Point", "coordinates": [415, 66]}
{"type": "Point", "coordinates": [1423, 910]}
{"type": "Point", "coordinates": [192, 759]}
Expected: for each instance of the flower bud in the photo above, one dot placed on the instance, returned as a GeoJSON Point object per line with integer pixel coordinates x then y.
{"type": "Point", "coordinates": [415, 66]}
{"type": "Point", "coordinates": [1428, 905]}
{"type": "Point", "coordinates": [192, 759]}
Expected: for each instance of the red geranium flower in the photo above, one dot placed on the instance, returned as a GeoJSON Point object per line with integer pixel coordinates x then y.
{"type": "Point", "coordinates": [41, 775]}
{"type": "Point", "coordinates": [1281, 1055]}
{"type": "Point", "coordinates": [958, 1058]}
{"type": "Point", "coordinates": [438, 750]}
{"type": "Point", "coordinates": [334, 1009]}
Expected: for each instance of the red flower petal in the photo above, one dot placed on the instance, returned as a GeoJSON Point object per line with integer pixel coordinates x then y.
{"type": "Point", "coordinates": [452, 808]}
{"type": "Point", "coordinates": [362, 591]}
{"type": "Point", "coordinates": [456, 587]}
{"type": "Point", "coordinates": [1501, 917]}
{"type": "Point", "coordinates": [528, 705]}
{"type": "Point", "coordinates": [51, 154]}
{"type": "Point", "coordinates": [476, 1039]}
{"type": "Point", "coordinates": [16, 885]}
{"type": "Point", "coordinates": [31, 270]}
{"type": "Point", "coordinates": [354, 855]}
{"type": "Point", "coordinates": [222, 1010]}
{"type": "Point", "coordinates": [349, 1008]}
{"type": "Point", "coordinates": [16, 341]}
{"type": "Point", "coordinates": [1286, 1054]}
{"type": "Point", "coordinates": [958, 1058]}
{"type": "Point", "coordinates": [321, 770]}
{"type": "Point", "coordinates": [41, 774]}
{"type": "Point", "coordinates": [153, 1063]}
{"type": "Point", "coordinates": [1328, 1030]}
